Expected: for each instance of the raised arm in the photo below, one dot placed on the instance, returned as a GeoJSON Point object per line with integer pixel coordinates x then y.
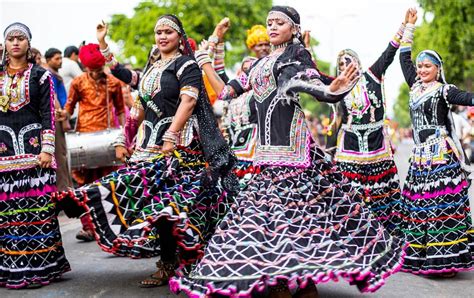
{"type": "Point", "coordinates": [383, 62]}
{"type": "Point", "coordinates": [408, 69]}
{"type": "Point", "coordinates": [217, 48]}
{"type": "Point", "coordinates": [127, 76]}
{"type": "Point", "coordinates": [226, 91]}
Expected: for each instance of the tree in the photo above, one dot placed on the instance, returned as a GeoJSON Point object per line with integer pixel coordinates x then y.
{"type": "Point", "coordinates": [135, 35]}
{"type": "Point", "coordinates": [450, 33]}
{"type": "Point", "coordinates": [401, 110]}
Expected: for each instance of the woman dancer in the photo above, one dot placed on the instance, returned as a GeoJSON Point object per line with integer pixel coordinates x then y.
{"type": "Point", "coordinates": [364, 152]}
{"type": "Point", "coordinates": [435, 208]}
{"type": "Point", "coordinates": [297, 222]}
{"type": "Point", "coordinates": [165, 200]}
{"type": "Point", "coordinates": [31, 251]}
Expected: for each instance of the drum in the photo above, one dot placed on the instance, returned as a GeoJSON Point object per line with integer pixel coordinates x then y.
{"type": "Point", "coordinates": [90, 150]}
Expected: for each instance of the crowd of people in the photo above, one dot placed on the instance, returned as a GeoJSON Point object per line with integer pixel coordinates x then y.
{"type": "Point", "coordinates": [248, 203]}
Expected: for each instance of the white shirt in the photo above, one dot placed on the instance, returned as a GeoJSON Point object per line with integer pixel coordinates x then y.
{"type": "Point", "coordinates": [461, 125]}
{"type": "Point", "coordinates": [68, 71]}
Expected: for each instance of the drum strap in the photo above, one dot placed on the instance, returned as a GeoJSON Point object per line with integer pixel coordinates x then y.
{"type": "Point", "coordinates": [107, 103]}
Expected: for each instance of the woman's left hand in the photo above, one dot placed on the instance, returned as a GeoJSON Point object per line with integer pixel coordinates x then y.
{"type": "Point", "coordinates": [168, 148]}
{"type": "Point", "coordinates": [45, 160]}
{"type": "Point", "coordinates": [347, 78]}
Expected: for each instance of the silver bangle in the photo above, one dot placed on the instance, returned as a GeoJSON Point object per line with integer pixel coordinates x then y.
{"type": "Point", "coordinates": [213, 39]}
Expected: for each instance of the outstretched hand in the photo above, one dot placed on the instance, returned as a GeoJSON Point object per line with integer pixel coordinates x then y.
{"type": "Point", "coordinates": [101, 32]}
{"type": "Point", "coordinates": [346, 79]}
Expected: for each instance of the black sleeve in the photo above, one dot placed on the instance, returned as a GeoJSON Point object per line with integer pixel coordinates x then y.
{"type": "Point", "coordinates": [224, 77]}
{"type": "Point", "coordinates": [125, 75]}
{"type": "Point", "coordinates": [384, 61]}
{"type": "Point", "coordinates": [458, 97]}
{"type": "Point", "coordinates": [301, 75]}
{"type": "Point", "coordinates": [46, 108]}
{"type": "Point", "coordinates": [325, 78]}
{"type": "Point", "coordinates": [189, 74]}
{"type": "Point", "coordinates": [408, 69]}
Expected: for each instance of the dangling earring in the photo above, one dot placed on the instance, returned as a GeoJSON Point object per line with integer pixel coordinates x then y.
{"type": "Point", "coordinates": [181, 45]}
{"type": "Point", "coordinates": [29, 55]}
{"type": "Point", "coordinates": [437, 75]}
{"type": "Point", "coordinates": [296, 39]}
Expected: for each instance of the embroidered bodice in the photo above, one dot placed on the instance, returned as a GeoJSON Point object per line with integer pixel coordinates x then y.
{"type": "Point", "coordinates": [26, 117]}
{"type": "Point", "coordinates": [160, 89]}
{"type": "Point", "coordinates": [283, 136]}
{"type": "Point", "coordinates": [363, 137]}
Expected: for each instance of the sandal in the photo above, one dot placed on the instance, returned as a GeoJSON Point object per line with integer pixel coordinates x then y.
{"type": "Point", "coordinates": [160, 277]}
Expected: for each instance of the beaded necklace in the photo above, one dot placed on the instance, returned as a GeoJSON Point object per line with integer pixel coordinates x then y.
{"type": "Point", "coordinates": [151, 84]}
{"type": "Point", "coordinates": [153, 75]}
{"type": "Point", "coordinates": [13, 80]}
{"type": "Point", "coordinates": [280, 46]}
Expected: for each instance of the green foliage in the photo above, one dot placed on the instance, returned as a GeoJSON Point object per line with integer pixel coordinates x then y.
{"type": "Point", "coordinates": [450, 33]}
{"type": "Point", "coordinates": [135, 34]}
{"type": "Point", "coordinates": [199, 17]}
{"type": "Point", "coordinates": [402, 114]}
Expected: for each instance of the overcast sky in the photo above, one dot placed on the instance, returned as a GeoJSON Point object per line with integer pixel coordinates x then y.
{"type": "Point", "coordinates": [365, 26]}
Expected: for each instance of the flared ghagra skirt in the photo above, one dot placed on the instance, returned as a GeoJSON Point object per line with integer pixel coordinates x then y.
{"type": "Point", "coordinates": [294, 225]}
{"type": "Point", "coordinates": [436, 218]}
{"type": "Point", "coordinates": [31, 248]}
{"type": "Point", "coordinates": [127, 206]}
{"type": "Point", "coordinates": [379, 184]}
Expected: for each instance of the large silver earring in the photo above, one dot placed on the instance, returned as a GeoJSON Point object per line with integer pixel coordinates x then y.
{"type": "Point", "coordinates": [181, 45]}
{"type": "Point", "coordinates": [296, 39]}
{"type": "Point", "coordinates": [29, 54]}
{"type": "Point", "coordinates": [437, 76]}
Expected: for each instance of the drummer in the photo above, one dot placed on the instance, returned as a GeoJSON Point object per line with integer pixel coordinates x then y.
{"type": "Point", "coordinates": [99, 95]}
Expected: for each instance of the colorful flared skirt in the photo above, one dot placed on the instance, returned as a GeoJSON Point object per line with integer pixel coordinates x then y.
{"type": "Point", "coordinates": [379, 185]}
{"type": "Point", "coordinates": [294, 225]}
{"type": "Point", "coordinates": [127, 206]}
{"type": "Point", "coordinates": [436, 218]}
{"type": "Point", "coordinates": [31, 248]}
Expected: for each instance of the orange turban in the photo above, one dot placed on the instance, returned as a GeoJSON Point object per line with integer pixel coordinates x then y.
{"type": "Point", "coordinates": [256, 34]}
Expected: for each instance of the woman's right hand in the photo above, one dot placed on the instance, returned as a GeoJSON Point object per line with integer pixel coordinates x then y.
{"type": "Point", "coordinates": [101, 32]}
{"type": "Point", "coordinates": [412, 17]}
{"type": "Point", "coordinates": [121, 153]}
{"type": "Point", "coordinates": [221, 28]}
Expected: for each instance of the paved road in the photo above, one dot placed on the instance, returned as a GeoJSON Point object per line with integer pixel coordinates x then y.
{"type": "Point", "coordinates": [97, 274]}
